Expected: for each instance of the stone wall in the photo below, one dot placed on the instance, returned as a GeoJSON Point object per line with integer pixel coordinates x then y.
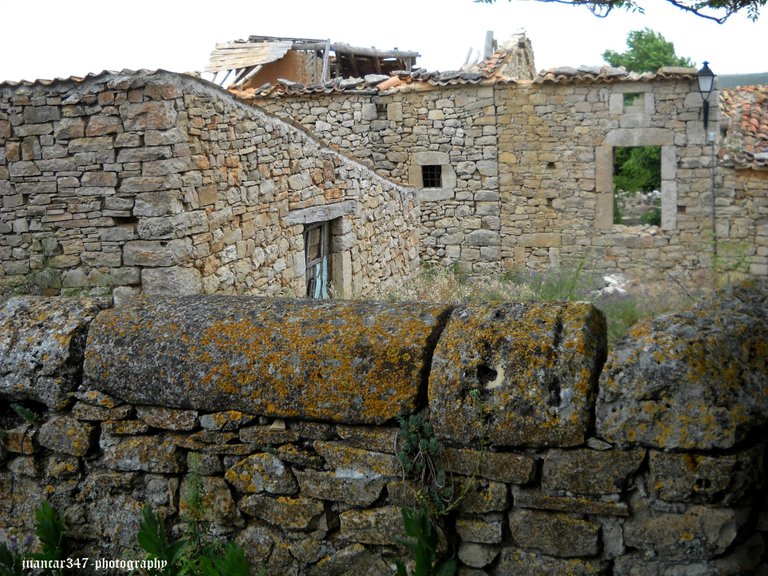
{"type": "Point", "coordinates": [649, 462]}
{"type": "Point", "coordinates": [156, 182]}
{"type": "Point", "coordinates": [528, 175]}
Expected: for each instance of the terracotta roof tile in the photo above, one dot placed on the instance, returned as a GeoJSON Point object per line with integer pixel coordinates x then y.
{"type": "Point", "coordinates": [745, 126]}
{"type": "Point", "coordinates": [608, 74]}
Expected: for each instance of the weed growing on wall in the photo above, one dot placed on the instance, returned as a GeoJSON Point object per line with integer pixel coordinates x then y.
{"type": "Point", "coordinates": [419, 526]}
{"type": "Point", "coordinates": [422, 459]}
{"type": "Point", "coordinates": [51, 533]}
{"type": "Point", "coordinates": [196, 553]}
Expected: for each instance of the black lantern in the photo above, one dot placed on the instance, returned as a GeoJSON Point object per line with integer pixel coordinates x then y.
{"type": "Point", "coordinates": [706, 80]}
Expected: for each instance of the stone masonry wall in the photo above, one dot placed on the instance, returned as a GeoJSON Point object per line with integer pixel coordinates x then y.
{"type": "Point", "coordinates": [528, 172]}
{"type": "Point", "coordinates": [157, 182]}
{"type": "Point", "coordinates": [649, 463]}
{"type": "Point", "coordinates": [398, 132]}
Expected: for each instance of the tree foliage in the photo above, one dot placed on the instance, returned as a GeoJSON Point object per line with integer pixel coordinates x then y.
{"type": "Point", "coordinates": [717, 10]}
{"type": "Point", "coordinates": [647, 51]}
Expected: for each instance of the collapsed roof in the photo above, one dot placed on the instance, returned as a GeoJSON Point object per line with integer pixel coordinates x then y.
{"type": "Point", "coordinates": [513, 61]}
{"type": "Point", "coordinates": [308, 60]}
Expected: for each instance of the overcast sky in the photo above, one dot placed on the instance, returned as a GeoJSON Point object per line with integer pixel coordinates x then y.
{"type": "Point", "coordinates": [60, 38]}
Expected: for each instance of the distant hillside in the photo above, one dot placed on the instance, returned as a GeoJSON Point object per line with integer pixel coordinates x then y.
{"type": "Point", "coordinates": [733, 80]}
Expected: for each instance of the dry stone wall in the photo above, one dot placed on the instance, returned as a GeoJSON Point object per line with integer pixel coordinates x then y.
{"type": "Point", "coordinates": [162, 183]}
{"type": "Point", "coordinates": [527, 171]}
{"type": "Point", "coordinates": [648, 463]}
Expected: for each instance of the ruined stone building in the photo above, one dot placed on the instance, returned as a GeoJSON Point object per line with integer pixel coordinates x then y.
{"type": "Point", "coordinates": [516, 173]}
{"type": "Point", "coordinates": [159, 182]}
{"type": "Point", "coordinates": [154, 181]}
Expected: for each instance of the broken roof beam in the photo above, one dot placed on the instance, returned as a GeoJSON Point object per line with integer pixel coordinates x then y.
{"type": "Point", "coordinates": [341, 48]}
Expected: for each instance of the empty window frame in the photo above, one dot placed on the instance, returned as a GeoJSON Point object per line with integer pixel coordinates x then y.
{"type": "Point", "coordinates": [431, 176]}
{"type": "Point", "coordinates": [637, 185]}
{"type": "Point", "coordinates": [317, 248]}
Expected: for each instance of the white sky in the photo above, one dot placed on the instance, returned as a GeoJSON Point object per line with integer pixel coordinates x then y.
{"type": "Point", "coordinates": [60, 38]}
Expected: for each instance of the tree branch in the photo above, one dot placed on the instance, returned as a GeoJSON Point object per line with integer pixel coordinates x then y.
{"type": "Point", "coordinates": [707, 9]}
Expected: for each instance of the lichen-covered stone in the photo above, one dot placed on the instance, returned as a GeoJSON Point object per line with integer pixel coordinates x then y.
{"type": "Point", "coordinates": [487, 529]}
{"type": "Point", "coordinates": [481, 496]}
{"type": "Point", "coordinates": [227, 420]}
{"type": "Point", "coordinates": [212, 442]}
{"type": "Point", "coordinates": [146, 453]}
{"type": "Point", "coordinates": [42, 342]}
{"type": "Point", "coordinates": [517, 374]}
{"type": "Point", "coordinates": [348, 486]}
{"type": "Point", "coordinates": [589, 471]}
{"type": "Point", "coordinates": [342, 457]}
{"type": "Point", "coordinates": [167, 418]}
{"type": "Point", "coordinates": [477, 555]}
{"type": "Point", "coordinates": [352, 362]}
{"type": "Point", "coordinates": [285, 512]}
{"type": "Point", "coordinates": [96, 413]}
{"type": "Point", "coordinates": [66, 434]}
{"type": "Point", "coordinates": [261, 473]}
{"type": "Point", "coordinates": [693, 380]}
{"type": "Point", "coordinates": [686, 477]}
{"type": "Point", "coordinates": [697, 533]}
{"type": "Point", "coordinates": [520, 562]}
{"type": "Point", "coordinates": [372, 526]}
{"type": "Point", "coordinates": [499, 466]}
{"type": "Point", "coordinates": [266, 436]}
{"type": "Point", "coordinates": [554, 533]}
{"type": "Point", "coordinates": [533, 498]}
{"type": "Point", "coordinates": [369, 438]}
{"type": "Point", "coordinates": [21, 440]}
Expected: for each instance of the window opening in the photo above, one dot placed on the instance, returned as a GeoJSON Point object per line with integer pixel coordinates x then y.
{"type": "Point", "coordinates": [317, 244]}
{"type": "Point", "coordinates": [381, 110]}
{"type": "Point", "coordinates": [431, 176]}
{"type": "Point", "coordinates": [633, 100]}
{"type": "Point", "coordinates": [637, 185]}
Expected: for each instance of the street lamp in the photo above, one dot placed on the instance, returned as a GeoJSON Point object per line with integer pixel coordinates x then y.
{"type": "Point", "coordinates": [706, 80]}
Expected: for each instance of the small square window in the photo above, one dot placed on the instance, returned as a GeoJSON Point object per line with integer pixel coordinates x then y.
{"type": "Point", "coordinates": [381, 110]}
{"type": "Point", "coordinates": [431, 176]}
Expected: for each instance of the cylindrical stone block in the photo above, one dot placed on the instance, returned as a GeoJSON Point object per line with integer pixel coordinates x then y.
{"type": "Point", "coordinates": [342, 361]}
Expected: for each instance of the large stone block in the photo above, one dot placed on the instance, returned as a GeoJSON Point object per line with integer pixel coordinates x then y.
{"type": "Point", "coordinates": [589, 471]}
{"type": "Point", "coordinates": [520, 562]}
{"type": "Point", "coordinates": [517, 374]}
{"type": "Point", "coordinates": [42, 344]}
{"type": "Point", "coordinates": [698, 533]}
{"type": "Point", "coordinates": [353, 362]}
{"type": "Point", "coordinates": [691, 380]}
{"type": "Point", "coordinates": [554, 533]}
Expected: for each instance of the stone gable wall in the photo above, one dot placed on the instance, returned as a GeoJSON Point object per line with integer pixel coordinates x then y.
{"type": "Point", "coordinates": [529, 168]}
{"type": "Point", "coordinates": [157, 182]}
{"type": "Point", "coordinates": [649, 462]}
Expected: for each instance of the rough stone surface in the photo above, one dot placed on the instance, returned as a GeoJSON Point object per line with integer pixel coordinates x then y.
{"type": "Point", "coordinates": [42, 342]}
{"type": "Point", "coordinates": [691, 380]}
{"type": "Point", "coordinates": [698, 533]}
{"type": "Point", "coordinates": [234, 355]}
{"type": "Point", "coordinates": [589, 471]}
{"type": "Point", "coordinates": [283, 511]}
{"type": "Point", "coordinates": [527, 375]}
{"type": "Point", "coordinates": [142, 453]}
{"type": "Point", "coordinates": [130, 186]}
{"type": "Point", "coordinates": [554, 534]}
{"type": "Point", "coordinates": [67, 435]}
{"type": "Point", "coordinates": [261, 473]}
{"type": "Point", "coordinates": [373, 526]}
{"type": "Point", "coordinates": [520, 562]}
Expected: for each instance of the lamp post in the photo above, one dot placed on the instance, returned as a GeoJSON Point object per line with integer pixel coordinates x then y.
{"type": "Point", "coordinates": [706, 79]}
